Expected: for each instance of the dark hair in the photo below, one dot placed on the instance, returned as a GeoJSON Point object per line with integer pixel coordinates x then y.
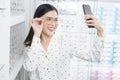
{"type": "Point", "coordinates": [40, 11]}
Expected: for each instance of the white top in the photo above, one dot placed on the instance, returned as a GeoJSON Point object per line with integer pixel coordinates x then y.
{"type": "Point", "coordinates": [55, 63]}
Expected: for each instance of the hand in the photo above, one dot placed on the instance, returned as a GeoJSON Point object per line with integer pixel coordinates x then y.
{"type": "Point", "coordinates": [37, 25]}
{"type": "Point", "coordinates": [94, 22]}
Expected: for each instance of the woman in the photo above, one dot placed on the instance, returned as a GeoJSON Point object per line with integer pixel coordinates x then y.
{"type": "Point", "coordinates": [47, 55]}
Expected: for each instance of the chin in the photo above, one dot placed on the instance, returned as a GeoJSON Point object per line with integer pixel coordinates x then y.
{"type": "Point", "coordinates": [51, 34]}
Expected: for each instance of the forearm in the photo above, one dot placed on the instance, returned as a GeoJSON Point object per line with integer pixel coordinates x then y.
{"type": "Point", "coordinates": [100, 31]}
{"type": "Point", "coordinates": [93, 53]}
{"type": "Point", "coordinates": [98, 47]}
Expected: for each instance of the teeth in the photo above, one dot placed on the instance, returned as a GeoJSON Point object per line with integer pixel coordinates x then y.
{"type": "Point", "coordinates": [51, 28]}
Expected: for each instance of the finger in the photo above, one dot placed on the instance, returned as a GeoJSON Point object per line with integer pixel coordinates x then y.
{"type": "Point", "coordinates": [90, 24]}
{"type": "Point", "coordinates": [89, 17]}
{"type": "Point", "coordinates": [39, 19]}
{"type": "Point", "coordinates": [41, 23]}
{"type": "Point", "coordinates": [31, 22]}
{"type": "Point", "coordinates": [89, 21]}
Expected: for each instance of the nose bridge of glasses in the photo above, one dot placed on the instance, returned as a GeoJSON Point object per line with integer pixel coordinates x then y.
{"type": "Point", "coordinates": [50, 19]}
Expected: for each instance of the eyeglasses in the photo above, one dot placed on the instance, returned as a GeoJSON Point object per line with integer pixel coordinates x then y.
{"type": "Point", "coordinates": [50, 19]}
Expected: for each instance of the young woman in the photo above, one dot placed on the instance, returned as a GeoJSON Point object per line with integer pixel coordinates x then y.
{"type": "Point", "coordinates": [47, 55]}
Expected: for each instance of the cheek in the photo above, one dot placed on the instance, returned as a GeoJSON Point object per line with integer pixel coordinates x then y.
{"type": "Point", "coordinates": [44, 25]}
{"type": "Point", "coordinates": [56, 25]}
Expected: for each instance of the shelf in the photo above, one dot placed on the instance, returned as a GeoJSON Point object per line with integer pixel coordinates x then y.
{"type": "Point", "coordinates": [3, 3]}
{"type": "Point", "coordinates": [17, 19]}
{"type": "Point", "coordinates": [16, 69]}
{"type": "Point", "coordinates": [4, 71]}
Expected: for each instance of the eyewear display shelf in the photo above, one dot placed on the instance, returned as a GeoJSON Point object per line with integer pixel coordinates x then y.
{"type": "Point", "coordinates": [71, 22]}
{"type": "Point", "coordinates": [4, 41]}
{"type": "Point", "coordinates": [17, 27]}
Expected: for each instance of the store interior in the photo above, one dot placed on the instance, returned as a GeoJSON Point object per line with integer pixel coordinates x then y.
{"type": "Point", "coordinates": [16, 14]}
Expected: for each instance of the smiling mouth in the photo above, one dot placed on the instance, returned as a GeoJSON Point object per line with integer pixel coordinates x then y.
{"type": "Point", "coordinates": [51, 28]}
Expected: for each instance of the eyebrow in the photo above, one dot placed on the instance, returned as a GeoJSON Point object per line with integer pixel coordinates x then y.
{"type": "Point", "coordinates": [52, 17]}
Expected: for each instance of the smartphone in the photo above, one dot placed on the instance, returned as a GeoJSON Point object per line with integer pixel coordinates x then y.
{"type": "Point", "coordinates": [87, 10]}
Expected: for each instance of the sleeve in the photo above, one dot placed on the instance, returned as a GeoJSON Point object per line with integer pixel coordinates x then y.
{"type": "Point", "coordinates": [31, 58]}
{"type": "Point", "coordinates": [91, 54]}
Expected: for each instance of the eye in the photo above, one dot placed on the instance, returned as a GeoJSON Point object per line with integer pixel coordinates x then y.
{"type": "Point", "coordinates": [56, 19]}
{"type": "Point", "coordinates": [49, 19]}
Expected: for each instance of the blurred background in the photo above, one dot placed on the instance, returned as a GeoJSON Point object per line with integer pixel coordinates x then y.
{"type": "Point", "coordinates": [14, 19]}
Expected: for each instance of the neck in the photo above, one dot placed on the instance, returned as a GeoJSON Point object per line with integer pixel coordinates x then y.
{"type": "Point", "coordinates": [45, 40]}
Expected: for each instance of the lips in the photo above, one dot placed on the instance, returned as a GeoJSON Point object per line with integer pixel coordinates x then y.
{"type": "Point", "coordinates": [51, 28]}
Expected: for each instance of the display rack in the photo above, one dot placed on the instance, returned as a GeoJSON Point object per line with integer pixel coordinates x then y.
{"type": "Point", "coordinates": [16, 48]}
{"type": "Point", "coordinates": [17, 19]}
{"type": "Point", "coordinates": [17, 32]}
{"type": "Point", "coordinates": [16, 68]}
{"type": "Point", "coordinates": [4, 41]}
{"type": "Point", "coordinates": [17, 14]}
{"type": "Point", "coordinates": [3, 72]}
{"type": "Point", "coordinates": [71, 19]}
{"type": "Point", "coordinates": [20, 14]}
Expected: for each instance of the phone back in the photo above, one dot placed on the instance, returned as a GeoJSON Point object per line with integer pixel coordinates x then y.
{"type": "Point", "coordinates": [87, 9]}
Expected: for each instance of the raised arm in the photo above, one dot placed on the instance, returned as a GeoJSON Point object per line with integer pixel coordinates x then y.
{"type": "Point", "coordinates": [98, 44]}
{"type": "Point", "coordinates": [31, 55]}
{"type": "Point", "coordinates": [31, 52]}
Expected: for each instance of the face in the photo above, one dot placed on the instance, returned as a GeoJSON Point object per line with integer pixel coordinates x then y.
{"type": "Point", "coordinates": [50, 23]}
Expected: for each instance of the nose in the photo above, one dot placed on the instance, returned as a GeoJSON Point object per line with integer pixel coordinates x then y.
{"type": "Point", "coordinates": [53, 23]}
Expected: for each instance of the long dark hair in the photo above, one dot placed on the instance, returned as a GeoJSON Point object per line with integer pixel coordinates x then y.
{"type": "Point", "coordinates": [40, 11]}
